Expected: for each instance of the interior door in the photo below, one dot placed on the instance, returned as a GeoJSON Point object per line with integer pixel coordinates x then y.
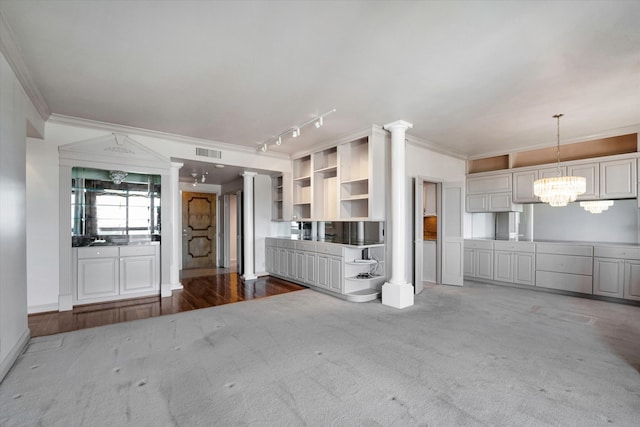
{"type": "Point", "coordinates": [222, 227]}
{"type": "Point", "coordinates": [199, 230]}
{"type": "Point", "coordinates": [418, 224]}
{"type": "Point", "coordinates": [452, 230]}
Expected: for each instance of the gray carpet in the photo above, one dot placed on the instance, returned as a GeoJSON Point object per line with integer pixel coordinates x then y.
{"type": "Point", "coordinates": [478, 355]}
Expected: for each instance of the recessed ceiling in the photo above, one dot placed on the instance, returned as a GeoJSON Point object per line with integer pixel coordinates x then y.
{"type": "Point", "coordinates": [476, 78]}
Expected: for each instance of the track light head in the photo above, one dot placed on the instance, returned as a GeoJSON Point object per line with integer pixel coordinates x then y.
{"type": "Point", "coordinates": [263, 148]}
{"type": "Point", "coordinates": [318, 122]}
{"type": "Point", "coordinates": [279, 141]}
{"type": "Point", "coordinates": [295, 133]}
{"type": "Point", "coordinates": [203, 179]}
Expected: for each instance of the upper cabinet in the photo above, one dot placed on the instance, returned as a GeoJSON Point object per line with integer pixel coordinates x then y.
{"type": "Point", "coordinates": [490, 193]}
{"type": "Point", "coordinates": [281, 197]}
{"type": "Point", "coordinates": [342, 182]}
{"type": "Point", "coordinates": [607, 179]}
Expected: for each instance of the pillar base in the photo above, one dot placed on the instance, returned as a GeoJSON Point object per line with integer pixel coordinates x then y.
{"type": "Point", "coordinates": [65, 302]}
{"type": "Point", "coordinates": [397, 295]}
{"type": "Point", "coordinates": [165, 290]}
{"type": "Point", "coordinates": [247, 277]}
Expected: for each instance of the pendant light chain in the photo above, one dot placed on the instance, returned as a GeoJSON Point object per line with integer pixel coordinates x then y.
{"type": "Point", "coordinates": [557, 116]}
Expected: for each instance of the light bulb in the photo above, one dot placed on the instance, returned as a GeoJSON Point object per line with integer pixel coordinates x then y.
{"type": "Point", "coordinates": [318, 122]}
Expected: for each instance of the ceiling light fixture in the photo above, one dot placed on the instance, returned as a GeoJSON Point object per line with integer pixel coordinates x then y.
{"type": "Point", "coordinates": [596, 206]}
{"type": "Point", "coordinates": [117, 176]}
{"type": "Point", "coordinates": [195, 178]}
{"type": "Point", "coordinates": [559, 190]}
{"type": "Point", "coordinates": [295, 131]}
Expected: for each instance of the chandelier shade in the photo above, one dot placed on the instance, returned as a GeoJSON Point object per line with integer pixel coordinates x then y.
{"type": "Point", "coordinates": [559, 190]}
{"type": "Point", "coordinates": [596, 206]}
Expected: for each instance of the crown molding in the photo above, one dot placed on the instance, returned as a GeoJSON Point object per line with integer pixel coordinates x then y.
{"type": "Point", "coordinates": [11, 52]}
{"type": "Point", "coordinates": [422, 143]}
{"type": "Point", "coordinates": [130, 130]}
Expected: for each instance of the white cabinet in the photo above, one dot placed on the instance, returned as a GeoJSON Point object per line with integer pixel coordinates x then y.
{"type": "Point", "coordinates": [523, 182]}
{"type": "Point", "coordinates": [616, 272]}
{"type": "Point", "coordinates": [105, 273]}
{"type": "Point", "coordinates": [330, 272]}
{"type": "Point", "coordinates": [514, 262]}
{"type": "Point", "coordinates": [591, 172]}
{"type": "Point", "coordinates": [565, 267]}
{"type": "Point", "coordinates": [618, 179]}
{"type": "Point", "coordinates": [281, 205]}
{"type": "Point", "coordinates": [301, 188]}
{"type": "Point", "coordinates": [478, 259]}
{"type": "Point", "coordinates": [490, 193]}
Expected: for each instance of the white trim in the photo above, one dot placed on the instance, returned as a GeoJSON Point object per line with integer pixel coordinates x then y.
{"type": "Point", "coordinates": [16, 351]}
{"type": "Point", "coordinates": [121, 129]}
{"type": "Point", "coordinates": [423, 143]}
{"type": "Point", "coordinates": [33, 309]}
{"type": "Point", "coordinates": [11, 52]}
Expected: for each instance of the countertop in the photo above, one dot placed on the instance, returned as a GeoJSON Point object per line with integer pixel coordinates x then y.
{"type": "Point", "coordinates": [333, 240]}
{"type": "Point", "coordinates": [560, 242]}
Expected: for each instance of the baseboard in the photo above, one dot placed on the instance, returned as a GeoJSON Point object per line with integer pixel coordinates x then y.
{"type": "Point", "coordinates": [33, 309]}
{"type": "Point", "coordinates": [16, 351]}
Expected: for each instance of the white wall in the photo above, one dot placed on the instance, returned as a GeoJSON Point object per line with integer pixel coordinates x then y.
{"type": "Point", "coordinates": [43, 259]}
{"type": "Point", "coordinates": [573, 223]}
{"type": "Point", "coordinates": [433, 166]}
{"type": "Point", "coordinates": [14, 332]}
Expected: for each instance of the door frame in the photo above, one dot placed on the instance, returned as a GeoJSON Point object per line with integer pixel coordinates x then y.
{"type": "Point", "coordinates": [418, 201]}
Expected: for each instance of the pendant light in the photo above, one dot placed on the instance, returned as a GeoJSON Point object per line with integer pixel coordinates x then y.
{"type": "Point", "coordinates": [596, 206]}
{"type": "Point", "coordinates": [559, 190]}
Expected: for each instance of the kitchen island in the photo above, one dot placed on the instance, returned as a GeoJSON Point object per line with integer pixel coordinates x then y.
{"type": "Point", "coordinates": [351, 270]}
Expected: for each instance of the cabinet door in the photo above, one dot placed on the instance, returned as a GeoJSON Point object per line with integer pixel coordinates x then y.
{"type": "Point", "coordinates": [291, 264]}
{"type": "Point", "coordinates": [591, 171]}
{"type": "Point", "coordinates": [469, 262]}
{"type": "Point", "coordinates": [524, 268]}
{"type": "Point", "coordinates": [323, 271]}
{"type": "Point", "coordinates": [497, 183]}
{"type": "Point", "coordinates": [618, 179]}
{"type": "Point", "coordinates": [97, 277]}
{"type": "Point", "coordinates": [503, 270]}
{"type": "Point", "coordinates": [300, 266]}
{"type": "Point", "coordinates": [137, 274]}
{"type": "Point", "coordinates": [523, 186]}
{"type": "Point", "coordinates": [310, 268]}
{"type": "Point", "coordinates": [501, 202]}
{"type": "Point", "coordinates": [477, 203]}
{"type": "Point", "coordinates": [608, 277]}
{"type": "Point", "coordinates": [268, 258]}
{"type": "Point", "coordinates": [632, 280]}
{"type": "Point", "coordinates": [282, 261]}
{"type": "Point", "coordinates": [335, 274]}
{"type": "Point", "coordinates": [485, 264]}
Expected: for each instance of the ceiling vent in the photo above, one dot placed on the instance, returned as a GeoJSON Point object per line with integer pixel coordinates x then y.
{"type": "Point", "coordinates": [205, 152]}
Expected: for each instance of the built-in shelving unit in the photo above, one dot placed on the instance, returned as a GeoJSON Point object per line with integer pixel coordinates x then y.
{"type": "Point", "coordinates": [281, 197]}
{"type": "Point", "coordinates": [325, 183]}
{"type": "Point", "coordinates": [302, 188]}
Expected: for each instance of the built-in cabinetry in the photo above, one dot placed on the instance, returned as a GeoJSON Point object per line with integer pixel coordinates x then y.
{"type": "Point", "coordinates": [478, 259]}
{"type": "Point", "coordinates": [339, 269]}
{"type": "Point", "coordinates": [343, 182]}
{"type": "Point", "coordinates": [616, 272]}
{"type": "Point", "coordinates": [114, 272]}
{"type": "Point", "coordinates": [565, 267]}
{"type": "Point", "coordinates": [514, 262]}
{"type": "Point", "coordinates": [490, 192]}
{"type": "Point", "coordinates": [606, 179]}
{"type": "Point", "coordinates": [281, 197]}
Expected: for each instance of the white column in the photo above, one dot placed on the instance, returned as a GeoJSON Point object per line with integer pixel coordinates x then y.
{"type": "Point", "coordinates": [66, 274]}
{"type": "Point", "coordinates": [247, 229]}
{"type": "Point", "coordinates": [176, 220]}
{"type": "Point", "coordinates": [397, 292]}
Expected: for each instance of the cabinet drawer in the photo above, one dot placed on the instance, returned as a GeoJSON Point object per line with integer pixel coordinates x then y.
{"type": "Point", "coordinates": [287, 244]}
{"type": "Point", "coordinates": [619, 252]}
{"type": "Point", "coordinates": [306, 246]}
{"type": "Point", "coordinates": [98, 252]}
{"type": "Point", "coordinates": [580, 250]}
{"type": "Point", "coordinates": [478, 244]}
{"type": "Point", "coordinates": [329, 249]}
{"type": "Point", "coordinates": [270, 241]}
{"type": "Point", "coordinates": [565, 264]}
{"type": "Point", "coordinates": [565, 282]}
{"type": "Point", "coordinates": [137, 250]}
{"type": "Point", "coordinates": [515, 246]}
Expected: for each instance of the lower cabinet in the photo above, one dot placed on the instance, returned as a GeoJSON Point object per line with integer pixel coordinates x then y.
{"type": "Point", "coordinates": [514, 262]}
{"type": "Point", "coordinates": [114, 272]}
{"type": "Point", "coordinates": [478, 259]}
{"type": "Point", "coordinates": [330, 272]}
{"type": "Point", "coordinates": [616, 272]}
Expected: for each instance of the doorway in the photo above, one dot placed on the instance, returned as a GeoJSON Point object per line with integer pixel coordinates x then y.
{"type": "Point", "coordinates": [427, 233]}
{"type": "Point", "coordinates": [198, 230]}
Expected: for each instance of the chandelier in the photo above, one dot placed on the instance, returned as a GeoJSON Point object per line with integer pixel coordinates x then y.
{"type": "Point", "coordinates": [117, 176]}
{"type": "Point", "coordinates": [596, 206]}
{"type": "Point", "coordinates": [559, 190]}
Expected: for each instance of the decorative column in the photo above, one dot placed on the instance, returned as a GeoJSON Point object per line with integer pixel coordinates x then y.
{"type": "Point", "coordinates": [176, 221]}
{"type": "Point", "coordinates": [247, 237]}
{"type": "Point", "coordinates": [397, 292]}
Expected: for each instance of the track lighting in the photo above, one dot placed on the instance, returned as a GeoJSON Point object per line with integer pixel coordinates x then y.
{"type": "Point", "coordinates": [295, 131]}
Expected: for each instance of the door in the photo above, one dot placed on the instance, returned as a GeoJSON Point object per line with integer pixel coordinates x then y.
{"type": "Point", "coordinates": [222, 227]}
{"type": "Point", "coordinates": [199, 230]}
{"type": "Point", "coordinates": [452, 230]}
{"type": "Point", "coordinates": [418, 233]}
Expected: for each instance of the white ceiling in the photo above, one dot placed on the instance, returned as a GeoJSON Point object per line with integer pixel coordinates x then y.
{"type": "Point", "coordinates": [476, 78]}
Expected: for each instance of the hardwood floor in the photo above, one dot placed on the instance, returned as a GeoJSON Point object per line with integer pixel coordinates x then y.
{"type": "Point", "coordinates": [202, 288]}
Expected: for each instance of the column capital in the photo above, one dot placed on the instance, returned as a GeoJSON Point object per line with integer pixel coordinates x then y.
{"type": "Point", "coordinates": [247, 173]}
{"type": "Point", "coordinates": [398, 124]}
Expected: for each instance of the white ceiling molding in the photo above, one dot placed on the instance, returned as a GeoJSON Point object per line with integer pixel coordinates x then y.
{"type": "Point", "coordinates": [110, 127]}
{"type": "Point", "coordinates": [413, 140]}
{"type": "Point", "coordinates": [12, 54]}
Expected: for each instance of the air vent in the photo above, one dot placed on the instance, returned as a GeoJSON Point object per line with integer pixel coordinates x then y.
{"type": "Point", "coordinates": [205, 152]}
